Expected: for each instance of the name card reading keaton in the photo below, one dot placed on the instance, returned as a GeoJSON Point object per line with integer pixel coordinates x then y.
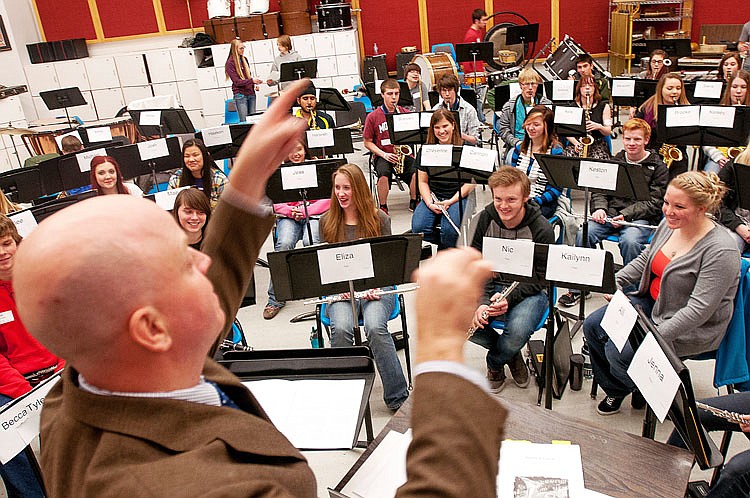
{"type": "Point", "coordinates": [153, 149]}
{"type": "Point", "coordinates": [478, 159]}
{"type": "Point", "coordinates": [320, 138]}
{"type": "Point", "coordinates": [654, 375]}
{"type": "Point", "coordinates": [84, 158]}
{"type": "Point", "coordinates": [509, 256]}
{"type": "Point", "coordinates": [598, 175]}
{"type": "Point", "coordinates": [437, 155]}
{"type": "Point", "coordinates": [340, 264]}
{"type": "Point", "coordinates": [217, 135]}
{"type": "Point", "coordinates": [575, 265]}
{"type": "Point", "coordinates": [619, 319]}
{"type": "Point", "coordinates": [299, 176]}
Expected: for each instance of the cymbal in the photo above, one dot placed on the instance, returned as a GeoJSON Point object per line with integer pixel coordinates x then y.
{"type": "Point", "coordinates": [10, 130]}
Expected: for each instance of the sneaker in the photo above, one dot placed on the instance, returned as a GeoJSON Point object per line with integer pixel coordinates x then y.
{"type": "Point", "coordinates": [497, 380]}
{"type": "Point", "coordinates": [384, 208]}
{"type": "Point", "coordinates": [571, 298]}
{"type": "Point", "coordinates": [412, 205]}
{"type": "Point", "coordinates": [270, 311]}
{"type": "Point", "coordinates": [637, 401]}
{"type": "Point", "coordinates": [519, 371]}
{"type": "Point", "coordinates": [609, 405]}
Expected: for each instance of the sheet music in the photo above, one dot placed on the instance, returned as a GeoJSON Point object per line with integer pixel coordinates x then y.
{"type": "Point", "coordinates": [340, 264]}
{"type": "Point", "coordinates": [24, 221]}
{"type": "Point", "coordinates": [529, 470]}
{"type": "Point", "coordinates": [384, 471]}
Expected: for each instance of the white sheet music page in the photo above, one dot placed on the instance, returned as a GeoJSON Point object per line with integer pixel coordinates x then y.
{"type": "Point", "coordinates": [406, 122]}
{"type": "Point", "coordinates": [563, 89]}
{"type": "Point", "coordinates": [24, 221]}
{"type": "Point", "coordinates": [153, 149]}
{"type": "Point", "coordinates": [301, 176]}
{"type": "Point", "coordinates": [653, 374]}
{"type": "Point", "coordinates": [165, 198]}
{"type": "Point", "coordinates": [619, 319]}
{"type": "Point", "coordinates": [99, 134]}
{"type": "Point", "coordinates": [568, 115]}
{"type": "Point", "coordinates": [217, 135]}
{"type": "Point", "coordinates": [320, 138]}
{"type": "Point", "coordinates": [384, 471]}
{"type": "Point", "coordinates": [84, 158]}
{"type": "Point", "coordinates": [478, 159]}
{"type": "Point", "coordinates": [530, 470]}
{"type": "Point", "coordinates": [313, 414]}
{"type": "Point", "coordinates": [437, 155]}
{"type": "Point", "coordinates": [687, 115]}
{"type": "Point", "coordinates": [715, 116]}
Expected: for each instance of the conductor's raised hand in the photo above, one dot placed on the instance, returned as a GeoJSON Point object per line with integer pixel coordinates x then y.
{"type": "Point", "coordinates": [450, 285]}
{"type": "Point", "coordinates": [267, 145]}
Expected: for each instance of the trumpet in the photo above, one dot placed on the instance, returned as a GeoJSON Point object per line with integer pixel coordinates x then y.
{"type": "Point", "coordinates": [733, 152]}
{"type": "Point", "coordinates": [335, 298]}
{"type": "Point", "coordinates": [505, 293]}
{"type": "Point", "coordinates": [401, 152]}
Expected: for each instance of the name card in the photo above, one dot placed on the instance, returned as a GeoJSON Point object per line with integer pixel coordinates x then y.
{"type": "Point", "coordinates": [515, 90]}
{"type": "Point", "coordinates": [652, 372]}
{"type": "Point", "coordinates": [437, 155]}
{"type": "Point", "coordinates": [688, 115]}
{"type": "Point", "coordinates": [150, 118]}
{"type": "Point", "coordinates": [623, 88]}
{"type": "Point", "coordinates": [568, 115]}
{"type": "Point", "coordinates": [299, 176]}
{"type": "Point", "coordinates": [478, 159]}
{"type": "Point", "coordinates": [509, 256]}
{"type": "Point", "coordinates": [619, 319]}
{"type": "Point", "coordinates": [598, 175]}
{"type": "Point", "coordinates": [73, 133]}
{"type": "Point", "coordinates": [708, 89]}
{"type": "Point", "coordinates": [377, 86]}
{"type": "Point", "coordinates": [165, 198]}
{"type": "Point", "coordinates": [424, 119]}
{"type": "Point", "coordinates": [217, 135]}
{"type": "Point", "coordinates": [563, 89]}
{"type": "Point", "coordinates": [84, 158]}
{"type": "Point", "coordinates": [340, 264]}
{"type": "Point", "coordinates": [153, 149]}
{"type": "Point", "coordinates": [99, 134]}
{"type": "Point", "coordinates": [254, 118]}
{"type": "Point", "coordinates": [576, 265]}
{"type": "Point", "coordinates": [715, 116]}
{"type": "Point", "coordinates": [320, 138]}
{"type": "Point", "coordinates": [24, 221]}
{"type": "Point", "coordinates": [406, 122]}
{"type": "Point", "coordinates": [19, 424]}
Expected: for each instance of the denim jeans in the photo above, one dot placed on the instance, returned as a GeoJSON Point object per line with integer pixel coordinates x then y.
{"type": "Point", "coordinates": [245, 105]}
{"type": "Point", "coordinates": [520, 323]}
{"type": "Point", "coordinates": [610, 366]}
{"type": "Point", "coordinates": [18, 474]}
{"type": "Point", "coordinates": [288, 233]}
{"type": "Point", "coordinates": [632, 240]}
{"type": "Point", "coordinates": [711, 167]}
{"type": "Point", "coordinates": [425, 221]}
{"type": "Point", "coordinates": [375, 314]}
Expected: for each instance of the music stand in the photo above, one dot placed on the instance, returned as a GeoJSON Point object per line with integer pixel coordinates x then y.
{"type": "Point", "coordinates": [642, 91]}
{"type": "Point", "coordinates": [22, 185]}
{"type": "Point", "coordinates": [417, 135]}
{"type": "Point", "coordinates": [568, 129]}
{"type": "Point", "coordinates": [62, 99]}
{"type": "Point", "coordinates": [404, 97]}
{"type": "Point", "coordinates": [132, 165]}
{"type": "Point", "coordinates": [471, 52]}
{"type": "Point", "coordinates": [238, 133]}
{"type": "Point", "coordinates": [171, 122]}
{"type": "Point", "coordinates": [674, 47]}
{"type": "Point", "coordinates": [525, 33]}
{"type": "Point", "coordinates": [329, 99]}
{"type": "Point", "coordinates": [278, 191]}
{"type": "Point", "coordinates": [291, 71]}
{"type": "Point", "coordinates": [342, 144]}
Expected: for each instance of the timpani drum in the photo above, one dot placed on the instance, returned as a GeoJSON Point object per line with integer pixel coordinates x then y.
{"type": "Point", "coordinates": [477, 79]}
{"type": "Point", "coordinates": [433, 66]}
{"type": "Point", "coordinates": [219, 8]}
{"type": "Point", "coordinates": [43, 141]}
{"type": "Point", "coordinates": [334, 17]}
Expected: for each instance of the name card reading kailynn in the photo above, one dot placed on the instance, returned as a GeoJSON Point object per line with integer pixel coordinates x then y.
{"type": "Point", "coordinates": [577, 265]}
{"type": "Point", "coordinates": [340, 264]}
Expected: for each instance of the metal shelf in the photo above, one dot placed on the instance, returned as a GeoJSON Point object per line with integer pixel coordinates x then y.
{"type": "Point", "coordinates": [656, 19]}
{"type": "Point", "coordinates": [648, 2]}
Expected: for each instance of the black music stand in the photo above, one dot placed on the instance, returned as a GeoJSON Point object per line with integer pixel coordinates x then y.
{"type": "Point", "coordinates": [742, 174]}
{"type": "Point", "coordinates": [173, 121]}
{"type": "Point", "coordinates": [132, 165]}
{"type": "Point", "coordinates": [404, 97]}
{"type": "Point", "coordinates": [570, 130]}
{"type": "Point", "coordinates": [62, 99]}
{"type": "Point", "coordinates": [342, 144]}
{"type": "Point", "coordinates": [329, 99]}
{"type": "Point", "coordinates": [563, 171]}
{"type": "Point", "coordinates": [229, 150]}
{"type": "Point", "coordinates": [642, 91]}
{"type": "Point", "coordinates": [524, 33]}
{"type": "Point", "coordinates": [303, 364]}
{"type": "Point", "coordinates": [472, 52]}
{"type": "Point", "coordinates": [22, 185]}
{"type": "Point", "coordinates": [291, 71]}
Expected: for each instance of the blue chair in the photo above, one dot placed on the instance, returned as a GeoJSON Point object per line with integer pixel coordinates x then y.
{"type": "Point", "coordinates": [230, 112]}
{"type": "Point", "coordinates": [364, 99]}
{"type": "Point", "coordinates": [500, 324]}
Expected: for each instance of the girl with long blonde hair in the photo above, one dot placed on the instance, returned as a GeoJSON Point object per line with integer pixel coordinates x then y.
{"type": "Point", "coordinates": [237, 69]}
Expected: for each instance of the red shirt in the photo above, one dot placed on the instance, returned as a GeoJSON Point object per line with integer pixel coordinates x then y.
{"type": "Point", "coordinates": [376, 129]}
{"type": "Point", "coordinates": [20, 353]}
{"type": "Point", "coordinates": [472, 36]}
{"type": "Point", "coordinates": [658, 265]}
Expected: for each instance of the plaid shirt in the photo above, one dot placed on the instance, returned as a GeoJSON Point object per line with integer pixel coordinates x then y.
{"type": "Point", "coordinates": [218, 181]}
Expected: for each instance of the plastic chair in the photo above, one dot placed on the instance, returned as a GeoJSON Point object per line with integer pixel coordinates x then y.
{"type": "Point", "coordinates": [364, 99]}
{"type": "Point", "coordinates": [230, 112]}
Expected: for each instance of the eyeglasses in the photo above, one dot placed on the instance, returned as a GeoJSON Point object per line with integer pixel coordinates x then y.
{"type": "Point", "coordinates": [528, 84]}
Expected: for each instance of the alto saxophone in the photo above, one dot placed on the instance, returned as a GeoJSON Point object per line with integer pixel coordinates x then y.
{"type": "Point", "coordinates": [401, 152]}
{"type": "Point", "coordinates": [670, 153]}
{"type": "Point", "coordinates": [588, 140]}
{"type": "Point", "coordinates": [733, 152]}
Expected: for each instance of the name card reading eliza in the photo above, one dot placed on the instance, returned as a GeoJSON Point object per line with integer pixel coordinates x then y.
{"type": "Point", "coordinates": [577, 265]}
{"type": "Point", "coordinates": [340, 264]}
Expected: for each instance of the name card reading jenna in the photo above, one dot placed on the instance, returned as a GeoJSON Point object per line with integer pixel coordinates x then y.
{"type": "Point", "coordinates": [406, 122]}
{"type": "Point", "coordinates": [568, 115]}
{"type": "Point", "coordinates": [598, 175]}
{"type": "Point", "coordinates": [84, 158]}
{"type": "Point", "coordinates": [576, 265]}
{"type": "Point", "coordinates": [478, 158]}
{"type": "Point", "coordinates": [688, 115]}
{"type": "Point", "coordinates": [563, 89]}
{"type": "Point", "coordinates": [509, 256]}
{"type": "Point", "coordinates": [153, 149]}
{"type": "Point", "coordinates": [623, 88]}
{"type": "Point", "coordinates": [340, 264]}
{"type": "Point", "coordinates": [654, 375]}
{"type": "Point", "coordinates": [217, 135]}
{"type": "Point", "coordinates": [320, 138]}
{"type": "Point", "coordinates": [437, 155]}
{"type": "Point", "coordinates": [299, 176]}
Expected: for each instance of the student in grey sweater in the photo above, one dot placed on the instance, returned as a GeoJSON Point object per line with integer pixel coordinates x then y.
{"type": "Point", "coordinates": [686, 281]}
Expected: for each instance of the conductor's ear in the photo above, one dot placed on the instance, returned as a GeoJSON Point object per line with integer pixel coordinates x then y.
{"type": "Point", "coordinates": [148, 327]}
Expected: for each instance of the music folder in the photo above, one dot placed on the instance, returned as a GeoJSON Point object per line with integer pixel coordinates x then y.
{"type": "Point", "coordinates": [238, 132]}
{"type": "Point", "coordinates": [702, 130]}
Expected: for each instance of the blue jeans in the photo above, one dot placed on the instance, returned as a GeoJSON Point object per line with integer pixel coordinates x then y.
{"type": "Point", "coordinates": [520, 323]}
{"type": "Point", "coordinates": [375, 314]}
{"type": "Point", "coordinates": [632, 240]}
{"type": "Point", "coordinates": [18, 474]}
{"type": "Point", "coordinates": [245, 105]}
{"type": "Point", "coordinates": [610, 366]}
{"type": "Point", "coordinates": [288, 233]}
{"type": "Point", "coordinates": [711, 167]}
{"type": "Point", "coordinates": [425, 221]}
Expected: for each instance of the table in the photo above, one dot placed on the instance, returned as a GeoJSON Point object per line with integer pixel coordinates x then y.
{"type": "Point", "coordinates": [616, 463]}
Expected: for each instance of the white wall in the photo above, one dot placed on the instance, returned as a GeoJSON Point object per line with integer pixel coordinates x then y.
{"type": "Point", "coordinates": [20, 24]}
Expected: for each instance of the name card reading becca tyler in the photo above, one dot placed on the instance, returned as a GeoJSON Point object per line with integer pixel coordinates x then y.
{"type": "Point", "coordinates": [320, 138]}
{"type": "Point", "coordinates": [619, 319]}
{"type": "Point", "coordinates": [299, 176]}
{"type": "Point", "coordinates": [688, 115]}
{"type": "Point", "coordinates": [654, 375]}
{"type": "Point", "coordinates": [99, 134]}
{"type": "Point", "coordinates": [153, 149]}
{"type": "Point", "coordinates": [477, 158]}
{"type": "Point", "coordinates": [576, 265]}
{"type": "Point", "coordinates": [623, 88]}
{"type": "Point", "coordinates": [84, 158]}
{"type": "Point", "coordinates": [217, 135]}
{"type": "Point", "coordinates": [405, 122]}
{"type": "Point", "coordinates": [568, 115]}
{"type": "Point", "coordinates": [340, 264]}
{"type": "Point", "coordinates": [598, 175]}
{"type": "Point", "coordinates": [715, 116]}
{"type": "Point", "coordinates": [150, 118]}
{"type": "Point", "coordinates": [437, 155]}
{"type": "Point", "coordinates": [563, 89]}
{"type": "Point", "coordinates": [509, 256]}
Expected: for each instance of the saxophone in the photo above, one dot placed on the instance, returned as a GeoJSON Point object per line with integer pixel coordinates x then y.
{"type": "Point", "coordinates": [733, 152]}
{"type": "Point", "coordinates": [670, 153]}
{"type": "Point", "coordinates": [401, 152]}
{"type": "Point", "coordinates": [588, 140]}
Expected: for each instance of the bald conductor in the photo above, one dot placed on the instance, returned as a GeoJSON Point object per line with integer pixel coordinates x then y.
{"type": "Point", "coordinates": [110, 285]}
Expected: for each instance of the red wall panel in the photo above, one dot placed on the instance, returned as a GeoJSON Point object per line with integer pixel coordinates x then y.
{"type": "Point", "coordinates": [727, 12]}
{"type": "Point", "coordinates": [589, 28]}
{"type": "Point", "coordinates": [391, 25]}
{"type": "Point", "coordinates": [124, 18]}
{"type": "Point", "coordinates": [72, 21]}
{"type": "Point", "coordinates": [176, 13]}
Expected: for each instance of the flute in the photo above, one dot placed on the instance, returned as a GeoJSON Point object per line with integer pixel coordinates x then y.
{"type": "Point", "coordinates": [444, 211]}
{"type": "Point", "coordinates": [622, 222]}
{"type": "Point", "coordinates": [737, 418]}
{"type": "Point", "coordinates": [335, 298]}
{"type": "Point", "coordinates": [485, 314]}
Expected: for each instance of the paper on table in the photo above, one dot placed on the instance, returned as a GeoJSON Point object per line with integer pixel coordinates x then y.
{"type": "Point", "coordinates": [563, 89]}
{"type": "Point", "coordinates": [84, 158]}
{"type": "Point", "coordinates": [623, 88]}
{"type": "Point", "coordinates": [99, 134]}
{"type": "Point", "coordinates": [509, 256]}
{"type": "Point", "coordinates": [437, 155]}
{"type": "Point", "coordinates": [541, 466]}
{"type": "Point", "coordinates": [406, 122]}
{"type": "Point", "coordinates": [340, 264]}
{"type": "Point", "coordinates": [654, 375]}
{"type": "Point", "coordinates": [312, 414]}
{"type": "Point", "coordinates": [683, 116]}
{"type": "Point", "coordinates": [568, 115]}
{"type": "Point", "coordinates": [619, 319]}
{"type": "Point", "coordinates": [384, 471]}
{"type": "Point", "coordinates": [715, 116]}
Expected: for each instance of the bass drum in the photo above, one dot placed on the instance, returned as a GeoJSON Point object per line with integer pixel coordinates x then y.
{"type": "Point", "coordinates": [334, 17]}
{"type": "Point", "coordinates": [433, 66]}
{"type": "Point", "coordinates": [496, 35]}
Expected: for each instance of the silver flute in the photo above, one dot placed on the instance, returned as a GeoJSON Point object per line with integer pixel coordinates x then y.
{"type": "Point", "coordinates": [622, 222]}
{"type": "Point", "coordinates": [485, 314]}
{"type": "Point", "coordinates": [444, 211]}
{"type": "Point", "coordinates": [335, 298]}
{"type": "Point", "coordinates": [737, 418]}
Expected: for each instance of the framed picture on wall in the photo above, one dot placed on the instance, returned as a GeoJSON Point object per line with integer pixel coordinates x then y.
{"type": "Point", "coordinates": [4, 42]}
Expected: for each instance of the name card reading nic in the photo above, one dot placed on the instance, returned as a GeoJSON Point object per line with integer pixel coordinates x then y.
{"type": "Point", "coordinates": [568, 115]}
{"type": "Point", "coordinates": [563, 89]}
{"type": "Point", "coordinates": [437, 155]}
{"type": "Point", "coordinates": [478, 159]}
{"type": "Point", "coordinates": [84, 158]}
{"type": "Point", "coordinates": [509, 256]}
{"type": "Point", "coordinates": [654, 375]}
{"type": "Point", "coordinates": [598, 175]}
{"type": "Point", "coordinates": [405, 122]}
{"type": "Point", "coordinates": [576, 265]}
{"type": "Point", "coordinates": [24, 221]}
{"type": "Point", "coordinates": [299, 176]}
{"type": "Point", "coordinates": [320, 138]}
{"type": "Point", "coordinates": [623, 88]}
{"type": "Point", "coordinates": [217, 135]}
{"type": "Point", "coordinates": [340, 264]}
{"type": "Point", "coordinates": [153, 149]}
{"type": "Point", "coordinates": [99, 134]}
